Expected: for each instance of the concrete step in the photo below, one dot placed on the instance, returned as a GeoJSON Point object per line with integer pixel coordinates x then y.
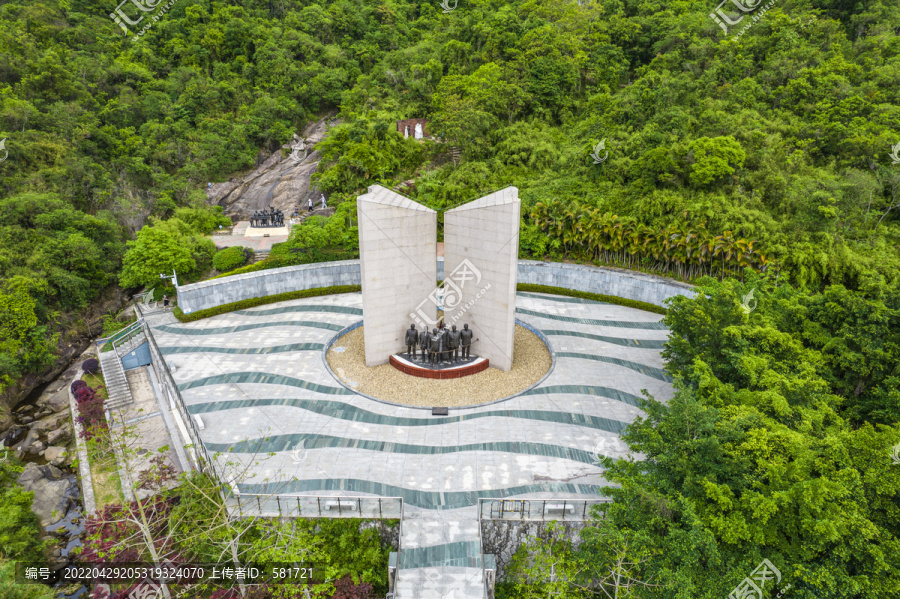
{"type": "Point", "coordinates": [117, 388]}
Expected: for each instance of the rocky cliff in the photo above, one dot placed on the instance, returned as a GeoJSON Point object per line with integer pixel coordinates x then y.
{"type": "Point", "coordinates": [279, 181]}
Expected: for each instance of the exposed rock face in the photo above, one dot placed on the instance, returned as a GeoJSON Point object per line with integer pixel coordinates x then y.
{"type": "Point", "coordinates": [280, 182]}
{"type": "Point", "coordinates": [55, 456]}
{"type": "Point", "coordinates": [60, 436]}
{"type": "Point", "coordinates": [70, 346]}
{"type": "Point", "coordinates": [53, 491]}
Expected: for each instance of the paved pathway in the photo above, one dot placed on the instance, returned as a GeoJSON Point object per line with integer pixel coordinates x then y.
{"type": "Point", "coordinates": [146, 431]}
{"type": "Point", "coordinates": [257, 378]}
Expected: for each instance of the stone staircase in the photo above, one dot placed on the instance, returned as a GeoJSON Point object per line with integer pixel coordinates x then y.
{"type": "Point", "coordinates": [440, 556]}
{"type": "Point", "coordinates": [124, 341]}
{"type": "Point", "coordinates": [116, 383]}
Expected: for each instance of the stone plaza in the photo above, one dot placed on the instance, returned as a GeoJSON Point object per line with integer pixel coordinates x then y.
{"type": "Point", "coordinates": [258, 382]}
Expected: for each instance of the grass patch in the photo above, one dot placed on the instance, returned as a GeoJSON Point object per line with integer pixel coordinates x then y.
{"type": "Point", "coordinates": [104, 467]}
{"type": "Point", "coordinates": [260, 301]}
{"type": "Point", "coordinates": [104, 474]}
{"type": "Point", "coordinates": [96, 382]}
{"type": "Point", "coordinates": [599, 297]}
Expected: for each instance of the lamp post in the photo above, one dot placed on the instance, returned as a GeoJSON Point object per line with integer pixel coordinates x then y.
{"type": "Point", "coordinates": [172, 276]}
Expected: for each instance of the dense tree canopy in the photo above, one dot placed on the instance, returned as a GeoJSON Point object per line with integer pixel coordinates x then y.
{"type": "Point", "coordinates": [777, 445]}
{"type": "Point", "coordinates": [722, 154]}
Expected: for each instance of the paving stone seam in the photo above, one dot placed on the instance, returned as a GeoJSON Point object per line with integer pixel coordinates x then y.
{"type": "Point", "coordinates": [170, 350]}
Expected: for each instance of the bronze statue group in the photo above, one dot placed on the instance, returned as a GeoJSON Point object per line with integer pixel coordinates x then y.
{"type": "Point", "coordinates": [441, 345]}
{"type": "Point", "coordinates": [267, 218]}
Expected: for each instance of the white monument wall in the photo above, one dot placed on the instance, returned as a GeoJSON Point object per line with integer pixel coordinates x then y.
{"type": "Point", "coordinates": [398, 267]}
{"type": "Point", "coordinates": [481, 238]}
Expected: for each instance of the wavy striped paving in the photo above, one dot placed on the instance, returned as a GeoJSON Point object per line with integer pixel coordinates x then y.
{"type": "Point", "coordinates": [657, 373]}
{"type": "Point", "coordinates": [342, 411]}
{"type": "Point", "coordinates": [262, 378]}
{"type": "Point", "coordinates": [540, 436]}
{"type": "Point", "coordinates": [287, 442]}
{"type": "Point", "coordinates": [275, 349]}
{"type": "Point", "coordinates": [652, 326]}
{"type": "Point", "coordinates": [638, 343]}
{"type": "Point", "coordinates": [306, 308]}
{"type": "Point", "coordinates": [432, 500]}
{"type": "Point", "coordinates": [174, 330]}
{"type": "Point", "coordinates": [462, 554]}
{"type": "Point", "coordinates": [560, 298]}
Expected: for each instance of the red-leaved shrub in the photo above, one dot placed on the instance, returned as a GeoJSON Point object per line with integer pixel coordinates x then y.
{"type": "Point", "coordinates": [90, 366]}
{"type": "Point", "coordinates": [76, 385]}
{"type": "Point", "coordinates": [91, 415]}
{"type": "Point", "coordinates": [345, 589]}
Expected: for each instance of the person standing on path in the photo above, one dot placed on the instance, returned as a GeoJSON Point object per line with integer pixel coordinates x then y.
{"type": "Point", "coordinates": [323, 202]}
{"type": "Point", "coordinates": [309, 206]}
{"type": "Point", "coordinates": [165, 302]}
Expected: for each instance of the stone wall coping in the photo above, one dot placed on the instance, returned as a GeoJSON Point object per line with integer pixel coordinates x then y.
{"type": "Point", "coordinates": [653, 289]}
{"type": "Point", "coordinates": [537, 263]}
{"type": "Point", "coordinates": [272, 271]}
{"type": "Point", "coordinates": [622, 272]}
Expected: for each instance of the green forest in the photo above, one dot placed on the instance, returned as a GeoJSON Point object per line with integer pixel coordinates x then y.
{"type": "Point", "coordinates": [640, 135]}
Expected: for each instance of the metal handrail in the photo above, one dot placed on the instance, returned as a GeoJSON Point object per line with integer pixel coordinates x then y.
{"type": "Point", "coordinates": [524, 509]}
{"type": "Point", "coordinates": [114, 337]}
{"type": "Point", "coordinates": [288, 506]}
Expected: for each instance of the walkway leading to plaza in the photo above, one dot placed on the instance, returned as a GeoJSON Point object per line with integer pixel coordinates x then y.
{"type": "Point", "coordinates": [258, 380]}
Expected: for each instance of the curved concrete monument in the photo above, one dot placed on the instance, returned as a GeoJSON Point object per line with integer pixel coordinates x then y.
{"type": "Point", "coordinates": [481, 257]}
{"type": "Point", "coordinates": [398, 264]}
{"type": "Point", "coordinates": [398, 267]}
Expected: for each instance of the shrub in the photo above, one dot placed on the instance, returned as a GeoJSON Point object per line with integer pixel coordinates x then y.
{"type": "Point", "coordinates": [282, 256]}
{"type": "Point", "coordinates": [161, 290]}
{"type": "Point", "coordinates": [83, 394]}
{"type": "Point", "coordinates": [77, 385]}
{"type": "Point", "coordinates": [345, 589]}
{"type": "Point", "coordinates": [259, 301]}
{"type": "Point", "coordinates": [90, 366]}
{"type": "Point", "coordinates": [230, 258]}
{"type": "Point", "coordinates": [91, 415]}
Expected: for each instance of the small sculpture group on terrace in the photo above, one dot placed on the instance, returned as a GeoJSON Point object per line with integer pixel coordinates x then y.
{"type": "Point", "coordinates": [267, 218]}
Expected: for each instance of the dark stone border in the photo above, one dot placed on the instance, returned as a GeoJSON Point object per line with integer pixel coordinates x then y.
{"type": "Point", "coordinates": [427, 373]}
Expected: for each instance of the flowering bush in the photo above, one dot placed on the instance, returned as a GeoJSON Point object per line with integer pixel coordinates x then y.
{"type": "Point", "coordinates": [77, 385]}
{"type": "Point", "coordinates": [90, 411]}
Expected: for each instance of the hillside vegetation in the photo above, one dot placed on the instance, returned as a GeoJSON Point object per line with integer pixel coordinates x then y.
{"type": "Point", "coordinates": [759, 162]}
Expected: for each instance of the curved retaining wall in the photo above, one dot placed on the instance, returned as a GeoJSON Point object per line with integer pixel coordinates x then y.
{"type": "Point", "coordinates": [594, 279]}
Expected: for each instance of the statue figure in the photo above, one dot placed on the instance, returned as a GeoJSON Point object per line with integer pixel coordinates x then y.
{"type": "Point", "coordinates": [453, 338]}
{"type": "Point", "coordinates": [434, 346]}
{"type": "Point", "coordinates": [465, 338]}
{"type": "Point", "coordinates": [253, 220]}
{"type": "Point", "coordinates": [424, 338]}
{"type": "Point", "coordinates": [412, 338]}
{"type": "Point", "coordinates": [445, 344]}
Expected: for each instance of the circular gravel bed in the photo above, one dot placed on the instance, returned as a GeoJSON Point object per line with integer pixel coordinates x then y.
{"type": "Point", "coordinates": [531, 361]}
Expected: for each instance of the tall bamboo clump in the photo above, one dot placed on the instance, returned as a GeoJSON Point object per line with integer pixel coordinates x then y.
{"type": "Point", "coordinates": [686, 249]}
